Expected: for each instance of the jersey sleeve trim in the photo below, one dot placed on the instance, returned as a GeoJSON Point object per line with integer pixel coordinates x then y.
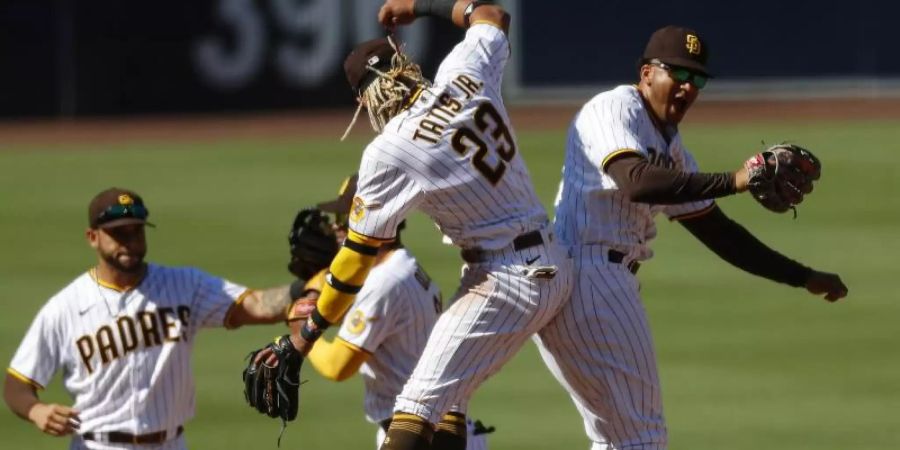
{"type": "Point", "coordinates": [18, 375]}
{"type": "Point", "coordinates": [366, 239]}
{"type": "Point", "coordinates": [354, 348]}
{"type": "Point", "coordinates": [694, 214]}
{"type": "Point", "coordinates": [226, 321]}
{"type": "Point", "coordinates": [485, 22]}
{"type": "Point", "coordinates": [616, 154]}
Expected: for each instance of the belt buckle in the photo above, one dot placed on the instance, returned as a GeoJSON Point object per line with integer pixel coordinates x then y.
{"type": "Point", "coordinates": [633, 266]}
{"type": "Point", "coordinates": [542, 272]}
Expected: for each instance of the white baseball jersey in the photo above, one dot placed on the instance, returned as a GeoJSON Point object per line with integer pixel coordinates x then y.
{"type": "Point", "coordinates": [453, 155]}
{"type": "Point", "coordinates": [589, 207]}
{"type": "Point", "coordinates": [391, 319]}
{"type": "Point", "coordinates": [125, 356]}
{"type": "Point", "coordinates": [599, 346]}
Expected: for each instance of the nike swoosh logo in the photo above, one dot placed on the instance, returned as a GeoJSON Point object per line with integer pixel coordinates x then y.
{"type": "Point", "coordinates": [532, 260]}
{"type": "Point", "coordinates": [85, 310]}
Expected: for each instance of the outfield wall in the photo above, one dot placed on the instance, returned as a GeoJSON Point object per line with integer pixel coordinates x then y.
{"type": "Point", "coordinates": [108, 57]}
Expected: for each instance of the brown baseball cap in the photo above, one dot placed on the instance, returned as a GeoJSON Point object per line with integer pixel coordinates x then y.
{"type": "Point", "coordinates": [341, 205]}
{"type": "Point", "coordinates": [116, 207]}
{"type": "Point", "coordinates": [376, 53]}
{"type": "Point", "coordinates": [678, 46]}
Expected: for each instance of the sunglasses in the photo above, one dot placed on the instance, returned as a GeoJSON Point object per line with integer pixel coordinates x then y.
{"type": "Point", "coordinates": [115, 212]}
{"type": "Point", "coordinates": [682, 75]}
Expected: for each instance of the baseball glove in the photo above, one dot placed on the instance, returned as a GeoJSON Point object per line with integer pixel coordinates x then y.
{"type": "Point", "coordinates": [313, 244]}
{"type": "Point", "coordinates": [781, 175]}
{"type": "Point", "coordinates": [275, 390]}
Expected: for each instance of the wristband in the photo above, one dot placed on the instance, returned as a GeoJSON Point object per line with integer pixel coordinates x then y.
{"type": "Point", "coordinates": [438, 8]}
{"type": "Point", "coordinates": [314, 327]}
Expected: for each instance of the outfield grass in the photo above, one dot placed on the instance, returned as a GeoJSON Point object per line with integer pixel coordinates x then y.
{"type": "Point", "coordinates": [745, 363]}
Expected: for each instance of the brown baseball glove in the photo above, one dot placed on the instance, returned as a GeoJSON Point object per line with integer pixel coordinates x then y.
{"type": "Point", "coordinates": [274, 390]}
{"type": "Point", "coordinates": [781, 175]}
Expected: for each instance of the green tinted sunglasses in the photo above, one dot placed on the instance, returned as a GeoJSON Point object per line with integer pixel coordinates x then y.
{"type": "Point", "coordinates": [682, 75]}
{"type": "Point", "coordinates": [115, 212]}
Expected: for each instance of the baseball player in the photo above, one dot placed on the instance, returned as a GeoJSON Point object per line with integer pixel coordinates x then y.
{"type": "Point", "coordinates": [385, 330]}
{"type": "Point", "coordinates": [122, 334]}
{"type": "Point", "coordinates": [448, 150]}
{"type": "Point", "coordinates": [625, 163]}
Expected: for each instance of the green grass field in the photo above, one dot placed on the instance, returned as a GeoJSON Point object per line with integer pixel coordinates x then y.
{"type": "Point", "coordinates": [745, 363]}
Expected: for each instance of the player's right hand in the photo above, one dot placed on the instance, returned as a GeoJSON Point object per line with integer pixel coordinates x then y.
{"type": "Point", "coordinates": [396, 12]}
{"type": "Point", "coordinates": [54, 419]}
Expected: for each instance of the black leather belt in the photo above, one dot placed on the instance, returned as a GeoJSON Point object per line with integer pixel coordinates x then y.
{"type": "Point", "coordinates": [118, 437]}
{"type": "Point", "coordinates": [521, 242]}
{"type": "Point", "coordinates": [616, 257]}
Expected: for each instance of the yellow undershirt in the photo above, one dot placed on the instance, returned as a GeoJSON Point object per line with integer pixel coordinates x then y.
{"type": "Point", "coordinates": [336, 360]}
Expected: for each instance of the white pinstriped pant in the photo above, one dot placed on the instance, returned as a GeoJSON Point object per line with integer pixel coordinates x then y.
{"type": "Point", "coordinates": [495, 311]}
{"type": "Point", "coordinates": [600, 349]}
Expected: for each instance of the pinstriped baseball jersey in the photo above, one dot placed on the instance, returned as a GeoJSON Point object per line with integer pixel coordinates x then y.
{"type": "Point", "coordinates": [391, 319]}
{"type": "Point", "coordinates": [125, 355]}
{"type": "Point", "coordinates": [453, 155]}
{"type": "Point", "coordinates": [589, 207]}
{"type": "Point", "coordinates": [599, 346]}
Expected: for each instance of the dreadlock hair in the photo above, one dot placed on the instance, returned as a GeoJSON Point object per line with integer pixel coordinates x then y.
{"type": "Point", "coordinates": [390, 91]}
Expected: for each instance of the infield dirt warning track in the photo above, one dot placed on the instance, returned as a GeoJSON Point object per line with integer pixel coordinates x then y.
{"type": "Point", "coordinates": [331, 123]}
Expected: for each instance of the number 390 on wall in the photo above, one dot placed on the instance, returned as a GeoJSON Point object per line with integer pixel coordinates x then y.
{"type": "Point", "coordinates": [303, 41]}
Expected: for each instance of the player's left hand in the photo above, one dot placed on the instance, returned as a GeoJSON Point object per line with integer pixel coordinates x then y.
{"type": "Point", "coordinates": [396, 12]}
{"type": "Point", "coordinates": [267, 355]}
{"type": "Point", "coordinates": [272, 379]}
{"type": "Point", "coordinates": [826, 283]}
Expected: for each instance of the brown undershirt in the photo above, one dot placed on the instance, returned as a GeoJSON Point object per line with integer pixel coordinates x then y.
{"type": "Point", "coordinates": [643, 182]}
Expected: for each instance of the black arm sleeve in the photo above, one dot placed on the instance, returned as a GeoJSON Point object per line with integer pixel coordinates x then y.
{"type": "Point", "coordinates": [735, 244]}
{"type": "Point", "coordinates": [643, 182]}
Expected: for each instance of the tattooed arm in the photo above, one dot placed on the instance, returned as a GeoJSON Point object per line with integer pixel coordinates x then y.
{"type": "Point", "coordinates": [260, 306]}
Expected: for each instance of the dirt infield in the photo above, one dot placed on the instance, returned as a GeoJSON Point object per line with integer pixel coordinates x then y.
{"type": "Point", "coordinates": [331, 124]}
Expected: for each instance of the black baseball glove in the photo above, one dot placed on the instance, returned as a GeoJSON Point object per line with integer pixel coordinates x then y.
{"type": "Point", "coordinates": [781, 175]}
{"type": "Point", "coordinates": [275, 390]}
{"type": "Point", "coordinates": [313, 243]}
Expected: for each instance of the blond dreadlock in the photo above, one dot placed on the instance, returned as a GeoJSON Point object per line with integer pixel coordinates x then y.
{"type": "Point", "coordinates": [388, 93]}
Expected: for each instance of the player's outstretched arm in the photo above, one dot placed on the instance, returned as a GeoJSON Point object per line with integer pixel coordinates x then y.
{"type": "Point", "coordinates": [51, 418]}
{"type": "Point", "coordinates": [644, 182]}
{"type": "Point", "coordinates": [345, 278]}
{"type": "Point", "coordinates": [335, 360]}
{"type": "Point", "coordinates": [735, 244]}
{"type": "Point", "coordinates": [402, 12]}
{"type": "Point", "coordinates": [260, 307]}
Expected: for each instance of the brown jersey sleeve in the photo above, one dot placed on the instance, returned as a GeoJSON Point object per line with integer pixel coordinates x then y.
{"type": "Point", "coordinates": [644, 182]}
{"type": "Point", "coordinates": [733, 243]}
